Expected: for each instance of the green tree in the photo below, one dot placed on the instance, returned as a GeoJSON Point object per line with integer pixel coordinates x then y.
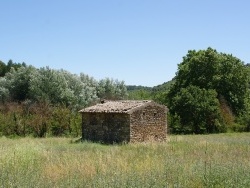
{"type": "Point", "coordinates": [140, 94]}
{"type": "Point", "coordinates": [198, 110]}
{"type": "Point", "coordinates": [16, 66]}
{"type": "Point", "coordinates": [4, 91]}
{"type": "Point", "coordinates": [19, 82]}
{"type": "Point", "coordinates": [232, 82]}
{"type": "Point", "coordinates": [210, 70]}
{"type": "Point", "coordinates": [2, 69]}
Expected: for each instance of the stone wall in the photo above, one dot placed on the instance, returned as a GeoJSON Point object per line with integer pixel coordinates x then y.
{"type": "Point", "coordinates": [143, 124]}
{"type": "Point", "coordinates": [148, 124]}
{"type": "Point", "coordinates": [106, 127]}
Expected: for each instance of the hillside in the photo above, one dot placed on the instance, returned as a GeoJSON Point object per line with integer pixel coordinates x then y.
{"type": "Point", "coordinates": [164, 87]}
{"type": "Point", "coordinates": [156, 93]}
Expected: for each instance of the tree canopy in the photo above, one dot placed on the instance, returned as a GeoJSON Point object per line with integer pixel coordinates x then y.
{"type": "Point", "coordinates": [24, 82]}
{"type": "Point", "coordinates": [213, 75]}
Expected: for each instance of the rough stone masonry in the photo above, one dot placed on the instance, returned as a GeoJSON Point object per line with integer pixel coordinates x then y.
{"type": "Point", "coordinates": [124, 121]}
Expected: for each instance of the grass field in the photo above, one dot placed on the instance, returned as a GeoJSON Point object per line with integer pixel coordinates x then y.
{"type": "Point", "coordinates": [220, 160]}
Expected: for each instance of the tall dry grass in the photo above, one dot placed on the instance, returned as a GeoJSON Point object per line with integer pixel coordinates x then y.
{"type": "Point", "coordinates": [221, 160]}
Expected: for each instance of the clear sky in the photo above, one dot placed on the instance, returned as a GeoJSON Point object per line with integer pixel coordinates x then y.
{"type": "Point", "coordinates": [138, 41]}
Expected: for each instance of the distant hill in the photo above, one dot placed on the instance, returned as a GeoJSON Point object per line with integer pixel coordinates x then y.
{"type": "Point", "coordinates": [134, 88]}
{"type": "Point", "coordinates": [163, 87]}
{"type": "Point", "coordinates": [156, 93]}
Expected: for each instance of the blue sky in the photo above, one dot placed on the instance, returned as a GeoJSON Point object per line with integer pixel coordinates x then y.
{"type": "Point", "coordinates": [138, 41]}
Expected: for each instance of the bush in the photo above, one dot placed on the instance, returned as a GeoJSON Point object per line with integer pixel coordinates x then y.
{"type": "Point", "coordinates": [39, 120]}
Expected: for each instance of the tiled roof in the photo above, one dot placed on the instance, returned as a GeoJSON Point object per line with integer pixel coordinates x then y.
{"type": "Point", "coordinates": [122, 106]}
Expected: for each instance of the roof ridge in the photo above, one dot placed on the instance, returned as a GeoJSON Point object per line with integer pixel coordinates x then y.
{"type": "Point", "coordinates": [117, 106]}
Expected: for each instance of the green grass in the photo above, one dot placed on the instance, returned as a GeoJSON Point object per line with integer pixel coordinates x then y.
{"type": "Point", "coordinates": [219, 160]}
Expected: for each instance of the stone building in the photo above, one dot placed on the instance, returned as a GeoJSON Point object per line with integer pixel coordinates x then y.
{"type": "Point", "coordinates": [124, 121]}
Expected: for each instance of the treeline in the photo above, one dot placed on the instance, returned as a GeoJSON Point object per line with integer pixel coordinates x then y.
{"type": "Point", "coordinates": [45, 101]}
{"type": "Point", "coordinates": [4, 68]}
{"type": "Point", "coordinates": [209, 94]}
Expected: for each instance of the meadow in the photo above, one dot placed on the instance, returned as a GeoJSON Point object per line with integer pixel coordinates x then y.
{"type": "Point", "coordinates": [217, 160]}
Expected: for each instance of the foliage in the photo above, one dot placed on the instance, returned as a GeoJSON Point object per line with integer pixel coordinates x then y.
{"type": "Point", "coordinates": [2, 69]}
{"type": "Point", "coordinates": [12, 84]}
{"type": "Point", "coordinates": [4, 91]}
{"type": "Point", "coordinates": [6, 68]}
{"type": "Point", "coordinates": [156, 93]}
{"type": "Point", "coordinates": [198, 110]}
{"type": "Point", "coordinates": [209, 70]}
{"type": "Point", "coordinates": [136, 88]}
{"type": "Point", "coordinates": [18, 82]}
{"type": "Point", "coordinates": [38, 120]}
{"type": "Point", "coordinates": [243, 120]}
{"type": "Point", "coordinates": [50, 86]}
{"type": "Point", "coordinates": [60, 87]}
{"type": "Point", "coordinates": [163, 87]}
{"type": "Point", "coordinates": [111, 89]}
{"type": "Point", "coordinates": [139, 94]}
{"type": "Point", "coordinates": [57, 87]}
